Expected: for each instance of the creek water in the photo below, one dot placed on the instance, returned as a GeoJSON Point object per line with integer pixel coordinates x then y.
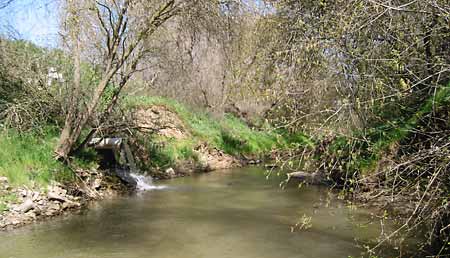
{"type": "Point", "coordinates": [225, 214]}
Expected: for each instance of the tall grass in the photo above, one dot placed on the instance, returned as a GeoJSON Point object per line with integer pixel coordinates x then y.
{"type": "Point", "coordinates": [27, 159]}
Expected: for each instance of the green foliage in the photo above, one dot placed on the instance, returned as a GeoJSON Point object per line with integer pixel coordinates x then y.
{"type": "Point", "coordinates": [235, 137]}
{"type": "Point", "coordinates": [170, 152]}
{"type": "Point", "coordinates": [347, 158]}
{"type": "Point", "coordinates": [26, 159]}
{"type": "Point", "coordinates": [87, 158]}
{"type": "Point", "coordinates": [5, 199]}
{"type": "Point", "coordinates": [27, 102]}
{"type": "Point", "coordinates": [2, 207]}
{"type": "Point", "coordinates": [413, 147]}
{"type": "Point", "coordinates": [298, 139]}
{"type": "Point", "coordinates": [229, 134]}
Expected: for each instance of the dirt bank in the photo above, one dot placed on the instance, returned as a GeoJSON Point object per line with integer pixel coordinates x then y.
{"type": "Point", "coordinates": [157, 127]}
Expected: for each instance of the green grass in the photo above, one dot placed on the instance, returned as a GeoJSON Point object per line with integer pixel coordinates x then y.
{"type": "Point", "coordinates": [3, 207]}
{"type": "Point", "coordinates": [229, 134]}
{"type": "Point", "coordinates": [172, 151]}
{"type": "Point", "coordinates": [5, 199]}
{"type": "Point", "coordinates": [27, 159]}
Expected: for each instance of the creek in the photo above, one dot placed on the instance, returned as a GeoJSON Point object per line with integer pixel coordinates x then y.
{"type": "Point", "coordinates": [234, 213]}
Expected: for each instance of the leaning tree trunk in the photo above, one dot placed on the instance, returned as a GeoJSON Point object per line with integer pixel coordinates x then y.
{"type": "Point", "coordinates": [121, 52]}
{"type": "Point", "coordinates": [72, 128]}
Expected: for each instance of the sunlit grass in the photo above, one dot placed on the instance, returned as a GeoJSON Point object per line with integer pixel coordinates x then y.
{"type": "Point", "coordinates": [27, 159]}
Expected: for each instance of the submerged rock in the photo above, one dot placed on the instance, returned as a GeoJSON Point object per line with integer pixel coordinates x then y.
{"type": "Point", "coordinates": [310, 178]}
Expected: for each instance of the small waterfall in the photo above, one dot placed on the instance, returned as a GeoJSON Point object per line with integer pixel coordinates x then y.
{"type": "Point", "coordinates": [145, 183]}
{"type": "Point", "coordinates": [118, 158]}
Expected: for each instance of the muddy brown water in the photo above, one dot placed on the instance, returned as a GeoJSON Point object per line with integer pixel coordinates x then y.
{"type": "Point", "coordinates": [226, 214]}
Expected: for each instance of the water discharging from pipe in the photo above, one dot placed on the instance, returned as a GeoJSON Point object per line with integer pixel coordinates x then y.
{"type": "Point", "coordinates": [145, 183]}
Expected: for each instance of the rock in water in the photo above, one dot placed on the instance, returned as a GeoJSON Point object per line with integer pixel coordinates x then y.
{"type": "Point", "coordinates": [126, 177]}
{"type": "Point", "coordinates": [170, 172]}
{"type": "Point", "coordinates": [70, 205]}
{"type": "Point", "coordinates": [97, 183]}
{"type": "Point", "coordinates": [311, 178]}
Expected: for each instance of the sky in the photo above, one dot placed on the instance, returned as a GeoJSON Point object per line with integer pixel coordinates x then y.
{"type": "Point", "coordinates": [33, 20]}
{"type": "Point", "coordinates": [37, 21]}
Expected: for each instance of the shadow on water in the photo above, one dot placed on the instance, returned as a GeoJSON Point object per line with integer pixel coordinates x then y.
{"type": "Point", "coordinates": [235, 213]}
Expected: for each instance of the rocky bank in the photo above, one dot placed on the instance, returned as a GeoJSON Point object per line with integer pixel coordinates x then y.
{"type": "Point", "coordinates": [24, 205]}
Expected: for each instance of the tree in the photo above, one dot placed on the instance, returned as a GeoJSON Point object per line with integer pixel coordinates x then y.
{"type": "Point", "coordinates": [389, 65]}
{"type": "Point", "coordinates": [114, 33]}
{"type": "Point", "coordinates": [371, 53]}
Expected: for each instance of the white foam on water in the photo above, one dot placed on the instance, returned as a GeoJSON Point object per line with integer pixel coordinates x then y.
{"type": "Point", "coordinates": [145, 183]}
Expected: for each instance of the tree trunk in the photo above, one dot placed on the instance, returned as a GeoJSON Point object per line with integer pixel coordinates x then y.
{"type": "Point", "coordinates": [116, 36]}
{"type": "Point", "coordinates": [72, 129]}
{"type": "Point", "coordinates": [64, 145]}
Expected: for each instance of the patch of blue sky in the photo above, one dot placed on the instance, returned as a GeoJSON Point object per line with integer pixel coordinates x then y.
{"type": "Point", "coordinates": [33, 20]}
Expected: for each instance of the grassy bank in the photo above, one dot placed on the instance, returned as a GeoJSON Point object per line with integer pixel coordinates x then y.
{"type": "Point", "coordinates": [27, 158]}
{"type": "Point", "coordinates": [226, 133]}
